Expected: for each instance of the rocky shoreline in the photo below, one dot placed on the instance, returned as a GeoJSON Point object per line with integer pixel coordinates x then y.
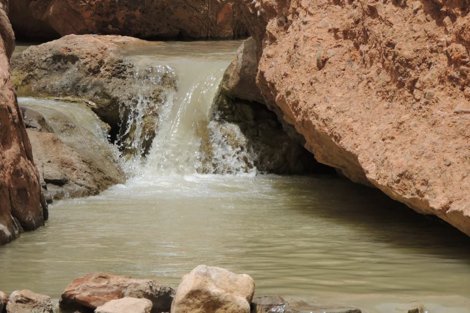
{"type": "Point", "coordinates": [205, 289]}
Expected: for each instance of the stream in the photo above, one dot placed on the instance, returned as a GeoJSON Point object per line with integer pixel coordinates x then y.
{"type": "Point", "coordinates": [318, 238]}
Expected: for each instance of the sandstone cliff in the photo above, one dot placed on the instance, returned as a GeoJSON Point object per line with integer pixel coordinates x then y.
{"type": "Point", "coordinates": [379, 89]}
{"type": "Point", "coordinates": [21, 202]}
{"type": "Point", "coordinates": [182, 19]}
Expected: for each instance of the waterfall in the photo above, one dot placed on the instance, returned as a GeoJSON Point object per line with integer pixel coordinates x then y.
{"type": "Point", "coordinates": [184, 143]}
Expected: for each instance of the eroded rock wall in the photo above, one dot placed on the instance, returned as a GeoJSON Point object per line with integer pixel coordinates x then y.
{"type": "Point", "coordinates": [379, 90]}
{"type": "Point", "coordinates": [184, 19]}
{"type": "Point", "coordinates": [21, 202]}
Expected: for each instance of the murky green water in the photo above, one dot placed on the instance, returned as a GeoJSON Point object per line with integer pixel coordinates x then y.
{"type": "Point", "coordinates": [315, 238]}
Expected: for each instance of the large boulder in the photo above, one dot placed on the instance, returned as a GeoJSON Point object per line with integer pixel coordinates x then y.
{"type": "Point", "coordinates": [22, 205]}
{"type": "Point", "coordinates": [379, 90]}
{"type": "Point", "coordinates": [126, 305]}
{"type": "Point", "coordinates": [174, 19]}
{"type": "Point", "coordinates": [213, 290]}
{"type": "Point", "coordinates": [26, 301]}
{"type": "Point", "coordinates": [125, 94]}
{"type": "Point", "coordinates": [94, 290]}
{"type": "Point", "coordinates": [71, 149]}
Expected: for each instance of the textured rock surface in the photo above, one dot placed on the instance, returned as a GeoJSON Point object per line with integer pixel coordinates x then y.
{"type": "Point", "coordinates": [26, 301]}
{"type": "Point", "coordinates": [378, 89]}
{"type": "Point", "coordinates": [244, 131]}
{"type": "Point", "coordinates": [185, 19]}
{"type": "Point", "coordinates": [93, 69]}
{"type": "Point", "coordinates": [126, 305]}
{"type": "Point", "coordinates": [94, 290]}
{"type": "Point", "coordinates": [21, 201]}
{"type": "Point", "coordinates": [71, 149]}
{"type": "Point", "coordinates": [211, 289]}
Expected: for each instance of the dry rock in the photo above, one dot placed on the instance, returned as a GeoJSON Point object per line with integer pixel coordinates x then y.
{"type": "Point", "coordinates": [175, 19]}
{"type": "Point", "coordinates": [126, 305]}
{"type": "Point", "coordinates": [26, 301]}
{"type": "Point", "coordinates": [213, 290]}
{"type": "Point", "coordinates": [22, 205]}
{"type": "Point", "coordinates": [365, 112]}
{"type": "Point", "coordinates": [94, 290]}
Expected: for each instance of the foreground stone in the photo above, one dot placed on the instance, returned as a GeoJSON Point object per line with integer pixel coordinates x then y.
{"type": "Point", "coordinates": [378, 90]}
{"type": "Point", "coordinates": [126, 305]}
{"type": "Point", "coordinates": [26, 301]}
{"type": "Point", "coordinates": [73, 160]}
{"type": "Point", "coordinates": [94, 290]}
{"type": "Point", "coordinates": [175, 19]}
{"type": "Point", "coordinates": [3, 301]}
{"type": "Point", "coordinates": [22, 205]}
{"type": "Point", "coordinates": [94, 70]}
{"type": "Point", "coordinates": [211, 289]}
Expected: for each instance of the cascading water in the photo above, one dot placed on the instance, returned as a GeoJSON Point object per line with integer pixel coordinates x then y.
{"type": "Point", "coordinates": [185, 143]}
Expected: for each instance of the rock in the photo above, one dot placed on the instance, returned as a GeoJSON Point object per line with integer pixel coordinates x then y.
{"type": "Point", "coordinates": [269, 304]}
{"type": "Point", "coordinates": [250, 136]}
{"type": "Point", "coordinates": [126, 305]}
{"type": "Point", "coordinates": [240, 77]}
{"type": "Point", "coordinates": [171, 19]}
{"type": "Point", "coordinates": [419, 309]}
{"type": "Point", "coordinates": [26, 301]}
{"type": "Point", "coordinates": [246, 132]}
{"type": "Point", "coordinates": [21, 201]}
{"type": "Point", "coordinates": [92, 69]}
{"type": "Point", "coordinates": [71, 149]}
{"type": "Point", "coordinates": [94, 290]}
{"type": "Point", "coordinates": [275, 304]}
{"type": "Point", "coordinates": [3, 301]}
{"type": "Point", "coordinates": [374, 110]}
{"type": "Point", "coordinates": [212, 289]}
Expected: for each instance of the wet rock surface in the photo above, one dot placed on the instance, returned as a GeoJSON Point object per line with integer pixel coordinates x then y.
{"type": "Point", "coordinates": [94, 290]}
{"type": "Point", "coordinates": [125, 95]}
{"type": "Point", "coordinates": [181, 19]}
{"type": "Point", "coordinates": [212, 289]}
{"type": "Point", "coordinates": [73, 161]}
{"type": "Point", "coordinates": [276, 304]}
{"type": "Point", "coordinates": [22, 205]}
{"type": "Point", "coordinates": [26, 301]}
{"type": "Point", "coordinates": [245, 131]}
{"type": "Point", "coordinates": [378, 90]}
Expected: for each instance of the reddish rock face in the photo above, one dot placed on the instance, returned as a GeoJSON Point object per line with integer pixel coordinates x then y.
{"type": "Point", "coordinates": [94, 290]}
{"type": "Point", "coordinates": [378, 89]}
{"type": "Point", "coordinates": [20, 192]}
{"type": "Point", "coordinates": [195, 19]}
